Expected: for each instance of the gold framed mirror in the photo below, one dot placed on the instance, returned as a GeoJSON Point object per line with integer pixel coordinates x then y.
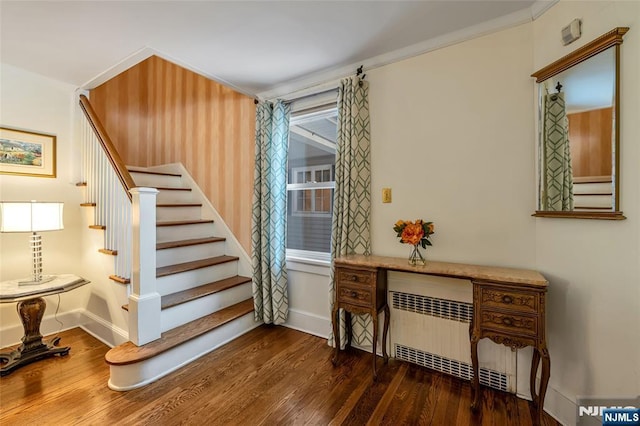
{"type": "Point", "coordinates": [579, 132]}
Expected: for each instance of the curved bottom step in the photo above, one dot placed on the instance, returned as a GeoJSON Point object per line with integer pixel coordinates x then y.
{"type": "Point", "coordinates": [132, 367]}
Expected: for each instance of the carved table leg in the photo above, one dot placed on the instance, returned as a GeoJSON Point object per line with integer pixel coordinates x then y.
{"type": "Point", "coordinates": [535, 361]}
{"type": "Point", "coordinates": [385, 331]}
{"type": "Point", "coordinates": [375, 343]}
{"type": "Point", "coordinates": [475, 382]}
{"type": "Point", "coordinates": [33, 348]}
{"type": "Point", "coordinates": [544, 381]}
{"type": "Point", "coordinates": [335, 316]}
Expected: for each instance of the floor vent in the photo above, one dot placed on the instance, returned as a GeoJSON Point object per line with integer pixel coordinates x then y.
{"type": "Point", "coordinates": [440, 308]}
{"type": "Point", "coordinates": [493, 379]}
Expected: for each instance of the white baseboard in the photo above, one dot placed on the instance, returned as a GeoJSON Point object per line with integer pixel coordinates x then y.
{"type": "Point", "coordinates": [102, 330]}
{"type": "Point", "coordinates": [13, 334]}
{"type": "Point", "coordinates": [308, 323]}
{"type": "Point", "coordinates": [560, 407]}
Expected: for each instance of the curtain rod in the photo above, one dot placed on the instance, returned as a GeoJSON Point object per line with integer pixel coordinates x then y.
{"type": "Point", "coordinates": [300, 97]}
{"type": "Point", "coordinates": [317, 89]}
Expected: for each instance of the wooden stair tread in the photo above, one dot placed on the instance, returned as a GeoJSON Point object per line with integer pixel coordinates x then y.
{"type": "Point", "coordinates": [180, 205]}
{"type": "Point", "coordinates": [184, 222]}
{"type": "Point", "coordinates": [592, 193]}
{"type": "Point", "coordinates": [181, 297]}
{"type": "Point", "coordinates": [184, 296]}
{"type": "Point", "coordinates": [81, 184]}
{"type": "Point", "coordinates": [119, 279]}
{"type": "Point", "coordinates": [128, 353]}
{"type": "Point", "coordinates": [87, 204]}
{"type": "Point", "coordinates": [108, 251]}
{"type": "Point", "coordinates": [163, 271]}
{"type": "Point", "coordinates": [171, 188]}
{"type": "Point", "coordinates": [97, 227]}
{"type": "Point", "coordinates": [185, 243]}
{"type": "Point", "coordinates": [147, 172]}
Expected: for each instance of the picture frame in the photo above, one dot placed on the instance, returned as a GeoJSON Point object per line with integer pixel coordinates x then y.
{"type": "Point", "coordinates": [27, 153]}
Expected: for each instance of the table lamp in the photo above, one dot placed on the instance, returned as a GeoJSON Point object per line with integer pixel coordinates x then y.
{"type": "Point", "coordinates": [34, 217]}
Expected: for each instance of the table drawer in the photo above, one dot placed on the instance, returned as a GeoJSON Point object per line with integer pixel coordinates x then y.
{"type": "Point", "coordinates": [508, 322]}
{"type": "Point", "coordinates": [512, 300]}
{"type": "Point", "coordinates": [346, 276]}
{"type": "Point", "coordinates": [355, 295]}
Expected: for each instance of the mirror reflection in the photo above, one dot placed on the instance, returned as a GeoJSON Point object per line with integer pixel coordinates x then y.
{"type": "Point", "coordinates": [578, 140]}
{"type": "Point", "coordinates": [577, 111]}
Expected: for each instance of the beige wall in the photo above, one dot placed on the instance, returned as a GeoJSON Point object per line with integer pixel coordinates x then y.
{"type": "Point", "coordinates": [453, 134]}
{"type": "Point", "coordinates": [32, 102]}
{"type": "Point", "coordinates": [594, 266]}
{"type": "Point", "coordinates": [159, 113]}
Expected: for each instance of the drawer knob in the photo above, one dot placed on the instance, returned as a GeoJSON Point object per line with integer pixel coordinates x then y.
{"type": "Point", "coordinates": [354, 278]}
{"type": "Point", "coordinates": [354, 294]}
{"type": "Point", "coordinates": [507, 321]}
{"type": "Point", "coordinates": [507, 299]}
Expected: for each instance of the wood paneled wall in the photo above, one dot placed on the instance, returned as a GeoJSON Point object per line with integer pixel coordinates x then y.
{"type": "Point", "coordinates": [159, 113]}
{"type": "Point", "coordinates": [590, 137]}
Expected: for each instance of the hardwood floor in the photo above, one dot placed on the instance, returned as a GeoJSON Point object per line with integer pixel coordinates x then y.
{"type": "Point", "coordinates": [270, 376]}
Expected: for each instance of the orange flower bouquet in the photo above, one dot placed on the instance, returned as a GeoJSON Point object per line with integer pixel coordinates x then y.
{"type": "Point", "coordinates": [417, 234]}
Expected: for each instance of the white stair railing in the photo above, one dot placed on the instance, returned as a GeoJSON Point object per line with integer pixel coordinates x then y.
{"type": "Point", "coordinates": [112, 201]}
{"type": "Point", "coordinates": [120, 207]}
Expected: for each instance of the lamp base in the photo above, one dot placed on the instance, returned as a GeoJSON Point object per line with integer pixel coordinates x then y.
{"type": "Point", "coordinates": [43, 279]}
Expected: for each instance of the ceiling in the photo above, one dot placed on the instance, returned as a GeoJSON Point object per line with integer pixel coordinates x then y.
{"type": "Point", "coordinates": [257, 47]}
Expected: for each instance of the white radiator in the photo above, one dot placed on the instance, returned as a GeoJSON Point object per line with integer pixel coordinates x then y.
{"type": "Point", "coordinates": [429, 326]}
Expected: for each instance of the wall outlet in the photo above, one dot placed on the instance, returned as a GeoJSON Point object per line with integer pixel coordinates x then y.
{"type": "Point", "coordinates": [386, 195]}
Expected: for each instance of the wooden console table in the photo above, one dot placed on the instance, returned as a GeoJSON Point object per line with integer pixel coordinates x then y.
{"type": "Point", "coordinates": [31, 307]}
{"type": "Point", "coordinates": [508, 307]}
{"type": "Point", "coordinates": [360, 289]}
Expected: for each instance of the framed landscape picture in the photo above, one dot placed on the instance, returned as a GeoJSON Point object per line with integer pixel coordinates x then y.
{"type": "Point", "coordinates": [27, 153]}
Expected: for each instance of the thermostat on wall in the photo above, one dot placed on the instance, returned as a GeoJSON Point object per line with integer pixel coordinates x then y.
{"type": "Point", "coordinates": [572, 32]}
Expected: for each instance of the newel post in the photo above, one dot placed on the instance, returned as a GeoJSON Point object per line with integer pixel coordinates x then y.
{"type": "Point", "coordinates": [144, 301]}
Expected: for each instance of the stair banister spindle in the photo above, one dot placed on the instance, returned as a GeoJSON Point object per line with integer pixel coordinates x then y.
{"type": "Point", "coordinates": [108, 184]}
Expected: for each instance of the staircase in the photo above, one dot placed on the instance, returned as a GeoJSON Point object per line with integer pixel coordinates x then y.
{"type": "Point", "coordinates": [204, 301]}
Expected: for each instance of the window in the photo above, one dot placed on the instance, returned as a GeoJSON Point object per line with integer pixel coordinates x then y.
{"type": "Point", "coordinates": [312, 156]}
{"type": "Point", "coordinates": [311, 188]}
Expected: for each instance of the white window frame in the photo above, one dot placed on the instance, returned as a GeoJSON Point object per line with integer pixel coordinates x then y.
{"type": "Point", "coordinates": [298, 186]}
{"type": "Point", "coordinates": [305, 260]}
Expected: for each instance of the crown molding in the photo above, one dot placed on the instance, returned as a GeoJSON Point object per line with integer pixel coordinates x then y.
{"type": "Point", "coordinates": [540, 7]}
{"type": "Point", "coordinates": [318, 79]}
{"type": "Point", "coordinates": [321, 79]}
{"type": "Point", "coordinates": [134, 59]}
{"type": "Point", "coordinates": [146, 52]}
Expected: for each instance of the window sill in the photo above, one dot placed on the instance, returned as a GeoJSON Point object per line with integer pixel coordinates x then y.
{"type": "Point", "coordinates": [309, 261]}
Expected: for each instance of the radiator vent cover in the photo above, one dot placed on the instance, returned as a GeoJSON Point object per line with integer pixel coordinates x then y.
{"type": "Point", "coordinates": [493, 379]}
{"type": "Point", "coordinates": [440, 308]}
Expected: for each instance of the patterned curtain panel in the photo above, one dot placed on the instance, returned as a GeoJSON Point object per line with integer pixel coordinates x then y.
{"type": "Point", "coordinates": [269, 219]}
{"type": "Point", "coordinates": [352, 198]}
{"type": "Point", "coordinates": [557, 188]}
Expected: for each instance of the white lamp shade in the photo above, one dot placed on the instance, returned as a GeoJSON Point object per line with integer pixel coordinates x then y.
{"type": "Point", "coordinates": [30, 216]}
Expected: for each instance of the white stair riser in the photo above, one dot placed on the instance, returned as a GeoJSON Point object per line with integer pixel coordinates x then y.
{"type": "Point", "coordinates": [169, 196]}
{"type": "Point", "coordinates": [153, 181]}
{"type": "Point", "coordinates": [176, 255]}
{"type": "Point", "coordinates": [131, 376]}
{"type": "Point", "coordinates": [190, 279]}
{"type": "Point", "coordinates": [183, 232]}
{"type": "Point", "coordinates": [177, 213]}
{"type": "Point", "coordinates": [190, 311]}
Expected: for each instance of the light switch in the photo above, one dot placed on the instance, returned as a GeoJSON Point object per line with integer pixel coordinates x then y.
{"type": "Point", "coordinates": [386, 195]}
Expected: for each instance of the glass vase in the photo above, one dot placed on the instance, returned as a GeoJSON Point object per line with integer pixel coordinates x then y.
{"type": "Point", "coordinates": [415, 257]}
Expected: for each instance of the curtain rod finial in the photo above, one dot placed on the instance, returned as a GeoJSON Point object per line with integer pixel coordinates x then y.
{"type": "Point", "coordinates": [558, 87]}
